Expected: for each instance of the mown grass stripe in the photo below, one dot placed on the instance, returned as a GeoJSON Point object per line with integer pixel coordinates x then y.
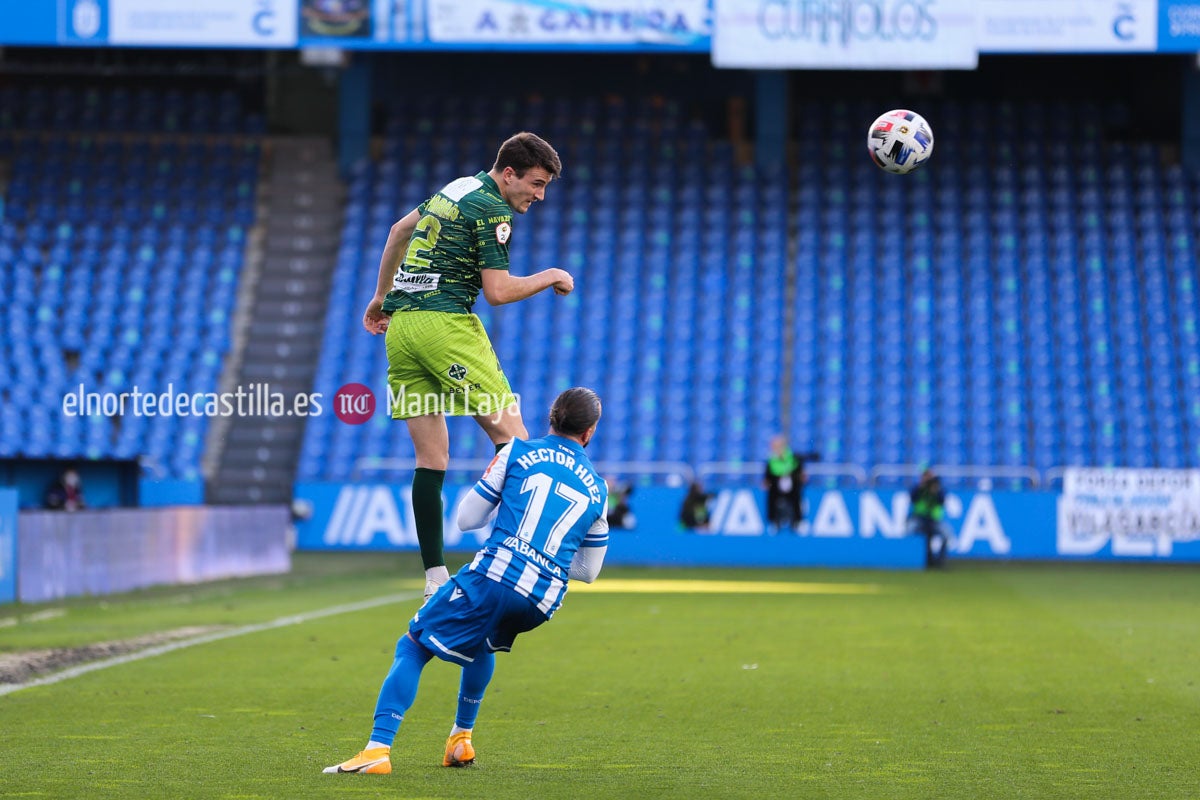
{"type": "Point", "coordinates": [158, 650]}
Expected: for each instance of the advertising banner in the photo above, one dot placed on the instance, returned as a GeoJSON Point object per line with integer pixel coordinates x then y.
{"type": "Point", "coordinates": [844, 528]}
{"type": "Point", "coordinates": [225, 23]}
{"type": "Point", "coordinates": [350, 516]}
{"type": "Point", "coordinates": [105, 552]}
{"type": "Point", "coordinates": [1150, 516]}
{"type": "Point", "coordinates": [867, 34]}
{"type": "Point", "coordinates": [682, 24]}
{"type": "Point", "coordinates": [1130, 513]}
{"type": "Point", "coordinates": [1179, 26]}
{"type": "Point", "coordinates": [1067, 26]}
{"type": "Point", "coordinates": [82, 22]}
{"type": "Point", "coordinates": [341, 20]}
{"type": "Point", "coordinates": [8, 545]}
{"type": "Point", "coordinates": [772, 34]}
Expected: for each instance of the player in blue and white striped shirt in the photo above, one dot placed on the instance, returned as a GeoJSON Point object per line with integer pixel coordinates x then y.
{"type": "Point", "coordinates": [550, 526]}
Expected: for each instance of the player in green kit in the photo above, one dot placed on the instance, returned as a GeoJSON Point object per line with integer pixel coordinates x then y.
{"type": "Point", "coordinates": [437, 260]}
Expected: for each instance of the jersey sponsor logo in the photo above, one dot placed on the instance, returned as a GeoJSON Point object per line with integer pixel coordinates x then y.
{"type": "Point", "coordinates": [413, 282]}
{"type": "Point", "coordinates": [503, 231]}
{"type": "Point", "coordinates": [457, 371]}
{"type": "Point", "coordinates": [535, 556]}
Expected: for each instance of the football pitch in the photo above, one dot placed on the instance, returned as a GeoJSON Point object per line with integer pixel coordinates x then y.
{"type": "Point", "coordinates": [982, 681]}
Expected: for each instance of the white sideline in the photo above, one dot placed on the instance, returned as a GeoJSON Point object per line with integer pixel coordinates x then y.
{"type": "Point", "coordinates": [158, 650]}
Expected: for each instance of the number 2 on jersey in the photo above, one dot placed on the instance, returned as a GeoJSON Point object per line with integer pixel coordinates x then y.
{"type": "Point", "coordinates": [424, 238]}
{"type": "Point", "coordinates": [541, 485]}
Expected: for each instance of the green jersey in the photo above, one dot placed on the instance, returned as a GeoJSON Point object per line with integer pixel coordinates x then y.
{"type": "Point", "coordinates": [463, 229]}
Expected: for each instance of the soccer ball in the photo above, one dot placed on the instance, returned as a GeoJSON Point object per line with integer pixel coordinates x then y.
{"type": "Point", "coordinates": [900, 141]}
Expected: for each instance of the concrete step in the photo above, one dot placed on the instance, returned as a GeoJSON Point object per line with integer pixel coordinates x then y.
{"type": "Point", "coordinates": [286, 241]}
{"type": "Point", "coordinates": [298, 265]}
{"type": "Point", "coordinates": [249, 493]}
{"type": "Point", "coordinates": [270, 327]}
{"type": "Point", "coordinates": [290, 349]}
{"type": "Point", "coordinates": [274, 372]}
{"type": "Point", "coordinates": [250, 436]}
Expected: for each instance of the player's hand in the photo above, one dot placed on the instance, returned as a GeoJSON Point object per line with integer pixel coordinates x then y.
{"type": "Point", "coordinates": [374, 320]}
{"type": "Point", "coordinates": [564, 284]}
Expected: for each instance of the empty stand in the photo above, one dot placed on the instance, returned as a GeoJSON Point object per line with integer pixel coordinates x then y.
{"type": "Point", "coordinates": [120, 256]}
{"type": "Point", "coordinates": [1034, 305]}
{"type": "Point", "coordinates": [1031, 306]}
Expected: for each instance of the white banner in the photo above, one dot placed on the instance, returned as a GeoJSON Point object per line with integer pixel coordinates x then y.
{"type": "Point", "coordinates": [608, 22]}
{"type": "Point", "coordinates": [845, 34]}
{"type": "Point", "coordinates": [1065, 26]}
{"type": "Point", "coordinates": [1142, 512]}
{"type": "Point", "coordinates": [230, 23]}
{"type": "Point", "coordinates": [120, 549]}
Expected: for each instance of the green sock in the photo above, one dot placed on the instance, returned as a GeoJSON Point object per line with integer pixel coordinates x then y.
{"type": "Point", "coordinates": [427, 513]}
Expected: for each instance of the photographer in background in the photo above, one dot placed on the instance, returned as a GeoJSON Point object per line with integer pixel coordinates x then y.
{"type": "Point", "coordinates": [926, 516]}
{"type": "Point", "coordinates": [65, 494]}
{"type": "Point", "coordinates": [694, 513]}
{"type": "Point", "coordinates": [620, 512]}
{"type": "Point", "coordinates": [784, 481]}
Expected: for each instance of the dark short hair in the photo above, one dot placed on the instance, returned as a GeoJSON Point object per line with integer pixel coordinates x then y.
{"type": "Point", "coordinates": [574, 411]}
{"type": "Point", "coordinates": [525, 150]}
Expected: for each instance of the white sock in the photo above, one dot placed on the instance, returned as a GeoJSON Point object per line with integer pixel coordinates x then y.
{"type": "Point", "coordinates": [371, 745]}
{"type": "Point", "coordinates": [438, 575]}
{"type": "Point", "coordinates": [457, 729]}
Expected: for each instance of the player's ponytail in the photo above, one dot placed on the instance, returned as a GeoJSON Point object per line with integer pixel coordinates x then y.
{"type": "Point", "coordinates": [574, 411]}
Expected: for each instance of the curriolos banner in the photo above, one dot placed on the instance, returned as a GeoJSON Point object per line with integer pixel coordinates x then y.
{"type": "Point", "coordinates": [875, 34]}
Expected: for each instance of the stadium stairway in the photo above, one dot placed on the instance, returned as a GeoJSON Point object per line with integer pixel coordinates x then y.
{"type": "Point", "coordinates": [280, 323]}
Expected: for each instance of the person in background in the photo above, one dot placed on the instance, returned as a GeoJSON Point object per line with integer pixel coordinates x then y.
{"type": "Point", "coordinates": [693, 514]}
{"type": "Point", "coordinates": [620, 513]}
{"type": "Point", "coordinates": [66, 493]}
{"type": "Point", "coordinates": [926, 516]}
{"type": "Point", "coordinates": [784, 481]}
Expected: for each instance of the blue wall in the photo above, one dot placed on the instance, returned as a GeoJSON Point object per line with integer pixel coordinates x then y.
{"type": "Point", "coordinates": [8, 545]}
{"type": "Point", "coordinates": [170, 492]}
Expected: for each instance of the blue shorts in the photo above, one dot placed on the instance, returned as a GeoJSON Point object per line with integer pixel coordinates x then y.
{"type": "Point", "coordinates": [472, 614]}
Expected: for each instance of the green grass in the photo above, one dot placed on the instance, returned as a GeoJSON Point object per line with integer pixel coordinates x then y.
{"type": "Point", "coordinates": [985, 681]}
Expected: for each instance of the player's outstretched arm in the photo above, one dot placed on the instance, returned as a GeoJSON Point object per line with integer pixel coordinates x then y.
{"type": "Point", "coordinates": [501, 287]}
{"type": "Point", "coordinates": [587, 563]}
{"type": "Point", "coordinates": [589, 558]}
{"type": "Point", "coordinates": [474, 511]}
{"type": "Point", "coordinates": [374, 320]}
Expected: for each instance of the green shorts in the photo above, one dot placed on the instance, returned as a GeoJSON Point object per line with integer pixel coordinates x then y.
{"type": "Point", "coordinates": [442, 363]}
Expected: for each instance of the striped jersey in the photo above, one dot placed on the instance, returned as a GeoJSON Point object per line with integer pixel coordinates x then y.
{"type": "Point", "coordinates": [463, 229]}
{"type": "Point", "coordinates": [552, 503]}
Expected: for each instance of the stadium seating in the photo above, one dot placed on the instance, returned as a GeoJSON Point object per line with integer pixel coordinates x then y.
{"type": "Point", "coordinates": [120, 255]}
{"type": "Point", "coordinates": [1032, 306]}
{"type": "Point", "coordinates": [1035, 306]}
